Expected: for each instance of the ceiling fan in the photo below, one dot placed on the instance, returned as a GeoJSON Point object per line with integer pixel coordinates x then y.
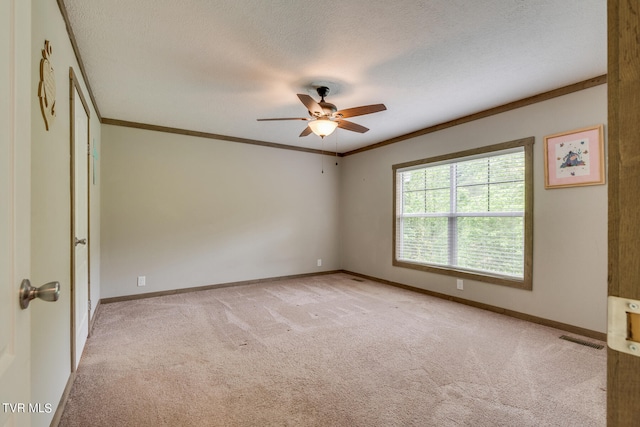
{"type": "Point", "coordinates": [325, 117]}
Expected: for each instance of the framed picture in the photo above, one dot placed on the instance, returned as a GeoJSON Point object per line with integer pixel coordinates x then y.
{"type": "Point", "coordinates": [574, 158]}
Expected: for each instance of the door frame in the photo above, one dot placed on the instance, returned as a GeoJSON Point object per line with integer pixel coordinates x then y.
{"type": "Point", "coordinates": [623, 27]}
{"type": "Point", "coordinates": [74, 87]}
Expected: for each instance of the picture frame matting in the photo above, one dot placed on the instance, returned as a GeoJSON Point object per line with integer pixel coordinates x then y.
{"type": "Point", "coordinates": [574, 158]}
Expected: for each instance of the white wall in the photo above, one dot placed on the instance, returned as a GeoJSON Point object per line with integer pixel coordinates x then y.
{"type": "Point", "coordinates": [570, 225]}
{"type": "Point", "coordinates": [187, 211]}
{"type": "Point", "coordinates": [51, 210]}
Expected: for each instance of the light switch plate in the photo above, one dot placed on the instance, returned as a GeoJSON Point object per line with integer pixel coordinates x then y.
{"type": "Point", "coordinates": [618, 325]}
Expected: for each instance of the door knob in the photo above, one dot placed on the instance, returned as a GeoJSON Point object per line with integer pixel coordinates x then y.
{"type": "Point", "coordinates": [47, 292]}
{"type": "Point", "coordinates": [81, 241]}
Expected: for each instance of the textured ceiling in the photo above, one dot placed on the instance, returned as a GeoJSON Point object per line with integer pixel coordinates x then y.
{"type": "Point", "coordinates": [216, 66]}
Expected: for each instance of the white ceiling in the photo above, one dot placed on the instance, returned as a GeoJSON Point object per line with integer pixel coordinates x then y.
{"type": "Point", "coordinates": [216, 66]}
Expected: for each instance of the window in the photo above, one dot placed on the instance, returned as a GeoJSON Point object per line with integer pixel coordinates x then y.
{"type": "Point", "coordinates": [468, 214]}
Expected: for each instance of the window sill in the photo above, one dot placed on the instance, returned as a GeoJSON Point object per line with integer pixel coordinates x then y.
{"type": "Point", "coordinates": [525, 284]}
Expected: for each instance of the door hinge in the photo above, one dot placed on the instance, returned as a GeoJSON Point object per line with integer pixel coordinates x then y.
{"type": "Point", "coordinates": [623, 331]}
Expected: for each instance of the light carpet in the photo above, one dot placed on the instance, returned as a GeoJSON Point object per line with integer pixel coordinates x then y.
{"type": "Point", "coordinates": [329, 350]}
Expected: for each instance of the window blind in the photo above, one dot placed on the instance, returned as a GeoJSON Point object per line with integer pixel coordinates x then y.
{"type": "Point", "coordinates": [466, 214]}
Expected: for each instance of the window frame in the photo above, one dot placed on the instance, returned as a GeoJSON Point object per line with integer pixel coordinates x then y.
{"type": "Point", "coordinates": [526, 282]}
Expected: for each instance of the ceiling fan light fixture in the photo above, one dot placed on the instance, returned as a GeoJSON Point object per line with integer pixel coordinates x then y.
{"type": "Point", "coordinates": [323, 127]}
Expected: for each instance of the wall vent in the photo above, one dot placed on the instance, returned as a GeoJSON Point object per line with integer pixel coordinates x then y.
{"type": "Point", "coordinates": [582, 342]}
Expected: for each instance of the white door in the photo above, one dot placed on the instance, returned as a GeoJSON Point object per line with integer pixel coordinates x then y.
{"type": "Point", "coordinates": [15, 216]}
{"type": "Point", "coordinates": [80, 179]}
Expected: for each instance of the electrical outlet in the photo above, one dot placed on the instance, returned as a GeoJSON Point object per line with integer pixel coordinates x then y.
{"type": "Point", "coordinates": [459, 284]}
{"type": "Point", "coordinates": [319, 262]}
{"type": "Point", "coordinates": [142, 280]}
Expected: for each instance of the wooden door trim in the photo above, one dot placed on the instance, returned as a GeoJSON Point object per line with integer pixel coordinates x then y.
{"type": "Point", "coordinates": [623, 381]}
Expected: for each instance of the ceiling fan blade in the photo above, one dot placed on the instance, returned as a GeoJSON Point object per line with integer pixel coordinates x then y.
{"type": "Point", "coordinates": [313, 107]}
{"type": "Point", "coordinates": [285, 118]}
{"type": "Point", "coordinates": [306, 131]}
{"type": "Point", "coordinates": [347, 125]}
{"type": "Point", "coordinates": [360, 111]}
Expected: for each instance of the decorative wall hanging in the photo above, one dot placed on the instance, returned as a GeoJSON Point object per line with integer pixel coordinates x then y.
{"type": "Point", "coordinates": [47, 87]}
{"type": "Point", "coordinates": [574, 158]}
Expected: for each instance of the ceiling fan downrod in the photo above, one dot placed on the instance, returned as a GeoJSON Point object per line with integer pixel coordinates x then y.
{"type": "Point", "coordinates": [322, 92]}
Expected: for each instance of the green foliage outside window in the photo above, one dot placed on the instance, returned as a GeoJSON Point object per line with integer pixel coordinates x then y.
{"type": "Point", "coordinates": [467, 214]}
